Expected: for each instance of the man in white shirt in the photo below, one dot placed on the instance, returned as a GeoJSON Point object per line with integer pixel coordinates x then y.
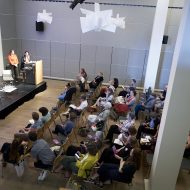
{"type": "Point", "coordinates": [78, 109]}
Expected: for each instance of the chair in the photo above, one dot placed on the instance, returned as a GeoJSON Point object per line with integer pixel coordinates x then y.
{"type": "Point", "coordinates": [7, 76]}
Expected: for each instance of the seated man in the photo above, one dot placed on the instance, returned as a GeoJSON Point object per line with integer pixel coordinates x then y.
{"type": "Point", "coordinates": [67, 94]}
{"type": "Point", "coordinates": [147, 104]}
{"type": "Point", "coordinates": [78, 109]}
{"type": "Point", "coordinates": [98, 79]}
{"type": "Point", "coordinates": [46, 115]}
{"type": "Point", "coordinates": [34, 125]}
{"type": "Point", "coordinates": [65, 129]}
{"type": "Point", "coordinates": [42, 154]}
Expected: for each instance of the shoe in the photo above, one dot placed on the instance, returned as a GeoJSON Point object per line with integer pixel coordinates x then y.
{"type": "Point", "coordinates": [66, 113]}
{"type": "Point", "coordinates": [43, 175]}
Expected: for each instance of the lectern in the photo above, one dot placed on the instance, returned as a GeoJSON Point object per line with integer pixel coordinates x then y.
{"type": "Point", "coordinates": [34, 72]}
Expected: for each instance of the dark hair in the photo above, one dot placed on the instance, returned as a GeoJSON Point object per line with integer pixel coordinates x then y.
{"type": "Point", "coordinates": [68, 85]}
{"type": "Point", "coordinates": [35, 116]}
{"type": "Point", "coordinates": [134, 92]}
{"type": "Point", "coordinates": [132, 131]}
{"type": "Point", "coordinates": [132, 141]}
{"type": "Point", "coordinates": [116, 82]}
{"type": "Point", "coordinates": [32, 135]}
{"type": "Point", "coordinates": [83, 97]}
{"type": "Point", "coordinates": [134, 80]}
{"type": "Point", "coordinates": [14, 148]}
{"type": "Point", "coordinates": [43, 111]}
{"type": "Point", "coordinates": [92, 148]}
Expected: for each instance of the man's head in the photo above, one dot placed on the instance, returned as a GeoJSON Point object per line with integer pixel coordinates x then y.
{"type": "Point", "coordinates": [35, 116]}
{"type": "Point", "coordinates": [32, 135]}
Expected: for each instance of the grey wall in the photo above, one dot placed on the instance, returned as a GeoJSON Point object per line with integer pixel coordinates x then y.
{"type": "Point", "coordinates": [8, 26]}
{"type": "Point", "coordinates": [64, 49]}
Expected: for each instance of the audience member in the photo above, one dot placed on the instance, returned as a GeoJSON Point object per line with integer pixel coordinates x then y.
{"type": "Point", "coordinates": [12, 153]}
{"type": "Point", "coordinates": [150, 126]}
{"type": "Point", "coordinates": [78, 109]}
{"type": "Point", "coordinates": [147, 104]}
{"type": "Point", "coordinates": [82, 77]}
{"type": "Point", "coordinates": [127, 89]}
{"type": "Point", "coordinates": [102, 100]}
{"type": "Point", "coordinates": [79, 163]}
{"type": "Point", "coordinates": [121, 127]}
{"type": "Point", "coordinates": [98, 79]}
{"type": "Point", "coordinates": [46, 115]}
{"type": "Point", "coordinates": [102, 116]}
{"type": "Point", "coordinates": [66, 128]}
{"type": "Point", "coordinates": [42, 154]}
{"type": "Point", "coordinates": [122, 173]}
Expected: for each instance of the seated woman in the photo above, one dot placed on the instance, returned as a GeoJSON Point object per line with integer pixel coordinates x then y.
{"type": "Point", "coordinates": [80, 163]}
{"type": "Point", "coordinates": [25, 60]}
{"type": "Point", "coordinates": [159, 103]}
{"type": "Point", "coordinates": [113, 154]}
{"type": "Point", "coordinates": [82, 77]}
{"type": "Point", "coordinates": [12, 153]}
{"type": "Point", "coordinates": [122, 173]}
{"type": "Point", "coordinates": [108, 98]}
{"type": "Point", "coordinates": [78, 109]}
{"type": "Point", "coordinates": [150, 126]}
{"type": "Point", "coordinates": [98, 79]}
{"type": "Point", "coordinates": [102, 116]}
{"type": "Point", "coordinates": [121, 127]}
{"type": "Point", "coordinates": [126, 89]}
{"type": "Point", "coordinates": [126, 104]}
{"type": "Point", "coordinates": [113, 84]}
{"type": "Point", "coordinates": [46, 115]}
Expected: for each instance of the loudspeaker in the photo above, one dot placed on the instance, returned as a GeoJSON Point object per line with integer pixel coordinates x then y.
{"type": "Point", "coordinates": [165, 39]}
{"type": "Point", "coordinates": [39, 26]}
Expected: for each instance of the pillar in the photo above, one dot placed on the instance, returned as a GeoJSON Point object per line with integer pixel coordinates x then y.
{"type": "Point", "coordinates": [174, 125]}
{"type": "Point", "coordinates": [156, 43]}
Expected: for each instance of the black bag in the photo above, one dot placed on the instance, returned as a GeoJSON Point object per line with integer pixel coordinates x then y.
{"type": "Point", "coordinates": [100, 125]}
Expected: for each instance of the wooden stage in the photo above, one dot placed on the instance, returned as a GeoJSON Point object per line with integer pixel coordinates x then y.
{"type": "Point", "coordinates": [24, 92]}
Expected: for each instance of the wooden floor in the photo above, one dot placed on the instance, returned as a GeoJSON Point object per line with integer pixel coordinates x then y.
{"type": "Point", "coordinates": [19, 119]}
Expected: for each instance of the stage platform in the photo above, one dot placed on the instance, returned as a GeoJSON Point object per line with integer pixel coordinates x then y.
{"type": "Point", "coordinates": [24, 92]}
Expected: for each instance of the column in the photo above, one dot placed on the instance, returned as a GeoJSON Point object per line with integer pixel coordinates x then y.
{"type": "Point", "coordinates": [1, 55]}
{"type": "Point", "coordinates": [174, 125]}
{"type": "Point", "coordinates": [156, 43]}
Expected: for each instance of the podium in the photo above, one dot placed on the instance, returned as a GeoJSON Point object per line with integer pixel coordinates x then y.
{"type": "Point", "coordinates": [34, 72]}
